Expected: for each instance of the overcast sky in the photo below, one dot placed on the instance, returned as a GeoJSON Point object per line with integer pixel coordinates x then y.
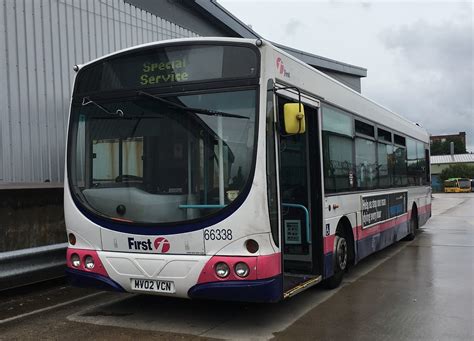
{"type": "Point", "coordinates": [419, 54]}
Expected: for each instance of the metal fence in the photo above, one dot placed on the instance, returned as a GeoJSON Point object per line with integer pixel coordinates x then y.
{"type": "Point", "coordinates": [40, 41]}
{"type": "Point", "coordinates": [33, 265]}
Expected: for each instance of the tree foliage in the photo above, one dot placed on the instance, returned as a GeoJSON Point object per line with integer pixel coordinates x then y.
{"type": "Point", "coordinates": [459, 170]}
{"type": "Point", "coordinates": [443, 148]}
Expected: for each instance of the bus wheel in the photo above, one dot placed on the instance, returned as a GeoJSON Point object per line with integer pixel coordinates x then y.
{"type": "Point", "coordinates": [341, 260]}
{"type": "Point", "coordinates": [413, 224]}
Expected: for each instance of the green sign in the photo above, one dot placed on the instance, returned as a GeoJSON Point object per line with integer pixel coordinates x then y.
{"type": "Point", "coordinates": [164, 72]}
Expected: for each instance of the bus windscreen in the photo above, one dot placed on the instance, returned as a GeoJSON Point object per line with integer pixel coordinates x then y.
{"type": "Point", "coordinates": [464, 183]}
{"type": "Point", "coordinates": [164, 66]}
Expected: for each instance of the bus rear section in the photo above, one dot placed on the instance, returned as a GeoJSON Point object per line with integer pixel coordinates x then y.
{"type": "Point", "coordinates": [164, 189]}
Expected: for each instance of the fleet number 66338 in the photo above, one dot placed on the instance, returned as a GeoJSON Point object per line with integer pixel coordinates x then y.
{"type": "Point", "coordinates": [217, 234]}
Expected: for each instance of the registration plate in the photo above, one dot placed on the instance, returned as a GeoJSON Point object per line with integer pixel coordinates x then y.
{"type": "Point", "coordinates": [153, 285]}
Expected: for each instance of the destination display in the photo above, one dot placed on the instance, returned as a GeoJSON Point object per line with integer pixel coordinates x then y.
{"type": "Point", "coordinates": [378, 208]}
{"type": "Point", "coordinates": [162, 66]}
{"type": "Point", "coordinates": [164, 72]}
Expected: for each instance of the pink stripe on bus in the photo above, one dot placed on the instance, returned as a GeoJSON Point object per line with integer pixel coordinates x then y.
{"type": "Point", "coordinates": [260, 267]}
{"type": "Point", "coordinates": [369, 231]}
{"type": "Point", "coordinates": [329, 243]}
{"type": "Point", "coordinates": [268, 266]}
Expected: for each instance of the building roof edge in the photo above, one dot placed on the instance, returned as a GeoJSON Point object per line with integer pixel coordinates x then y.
{"type": "Point", "coordinates": [226, 18]}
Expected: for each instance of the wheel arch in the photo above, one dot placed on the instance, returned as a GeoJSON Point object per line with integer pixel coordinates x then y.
{"type": "Point", "coordinates": [413, 214]}
{"type": "Point", "coordinates": [344, 225]}
{"type": "Point", "coordinates": [414, 210]}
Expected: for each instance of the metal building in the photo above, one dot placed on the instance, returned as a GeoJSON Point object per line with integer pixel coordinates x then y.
{"type": "Point", "coordinates": [41, 40]}
{"type": "Point", "coordinates": [441, 162]}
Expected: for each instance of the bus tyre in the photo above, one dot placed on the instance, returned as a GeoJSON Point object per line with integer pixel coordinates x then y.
{"type": "Point", "coordinates": [341, 260]}
{"type": "Point", "coordinates": [413, 225]}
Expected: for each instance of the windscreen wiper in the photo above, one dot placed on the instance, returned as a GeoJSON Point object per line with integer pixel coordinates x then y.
{"type": "Point", "coordinates": [196, 110]}
{"type": "Point", "coordinates": [87, 101]}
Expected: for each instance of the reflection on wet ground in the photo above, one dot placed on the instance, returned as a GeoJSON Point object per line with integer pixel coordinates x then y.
{"type": "Point", "coordinates": [423, 292]}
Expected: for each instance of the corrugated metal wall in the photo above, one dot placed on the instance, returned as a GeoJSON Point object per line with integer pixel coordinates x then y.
{"type": "Point", "coordinates": [40, 41]}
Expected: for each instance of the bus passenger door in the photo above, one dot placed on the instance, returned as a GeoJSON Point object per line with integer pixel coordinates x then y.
{"type": "Point", "coordinates": [298, 203]}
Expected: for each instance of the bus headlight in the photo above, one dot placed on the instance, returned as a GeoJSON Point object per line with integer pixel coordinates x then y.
{"type": "Point", "coordinates": [241, 269]}
{"type": "Point", "coordinates": [89, 262]}
{"type": "Point", "coordinates": [75, 260]}
{"type": "Point", "coordinates": [222, 270]}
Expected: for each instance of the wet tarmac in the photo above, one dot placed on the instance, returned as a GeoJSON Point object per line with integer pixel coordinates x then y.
{"type": "Point", "coordinates": [420, 290]}
{"type": "Point", "coordinates": [425, 292]}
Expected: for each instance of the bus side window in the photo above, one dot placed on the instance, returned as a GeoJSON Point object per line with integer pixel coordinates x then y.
{"type": "Point", "coordinates": [338, 155]}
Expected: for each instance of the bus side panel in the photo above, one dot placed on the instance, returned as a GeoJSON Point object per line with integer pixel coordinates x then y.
{"type": "Point", "coordinates": [422, 197]}
{"type": "Point", "coordinates": [379, 236]}
{"type": "Point", "coordinates": [87, 233]}
{"type": "Point", "coordinates": [329, 234]}
{"type": "Point", "coordinates": [385, 233]}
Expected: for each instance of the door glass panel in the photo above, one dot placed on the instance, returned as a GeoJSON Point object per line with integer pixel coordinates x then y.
{"type": "Point", "coordinates": [294, 195]}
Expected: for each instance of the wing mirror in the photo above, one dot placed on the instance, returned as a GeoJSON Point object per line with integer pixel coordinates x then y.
{"type": "Point", "coordinates": [294, 118]}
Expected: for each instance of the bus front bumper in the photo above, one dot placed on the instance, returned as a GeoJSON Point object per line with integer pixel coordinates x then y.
{"type": "Point", "coordinates": [263, 290]}
{"type": "Point", "coordinates": [84, 279]}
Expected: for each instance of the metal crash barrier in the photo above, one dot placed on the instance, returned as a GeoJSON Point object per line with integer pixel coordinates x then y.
{"type": "Point", "coordinates": [28, 266]}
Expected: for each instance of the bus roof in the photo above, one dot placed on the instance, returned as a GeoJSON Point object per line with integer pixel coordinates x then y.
{"type": "Point", "coordinates": [357, 103]}
{"type": "Point", "coordinates": [341, 94]}
{"type": "Point", "coordinates": [168, 41]}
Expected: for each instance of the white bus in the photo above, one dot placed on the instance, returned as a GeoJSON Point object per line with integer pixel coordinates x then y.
{"type": "Point", "coordinates": [227, 169]}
